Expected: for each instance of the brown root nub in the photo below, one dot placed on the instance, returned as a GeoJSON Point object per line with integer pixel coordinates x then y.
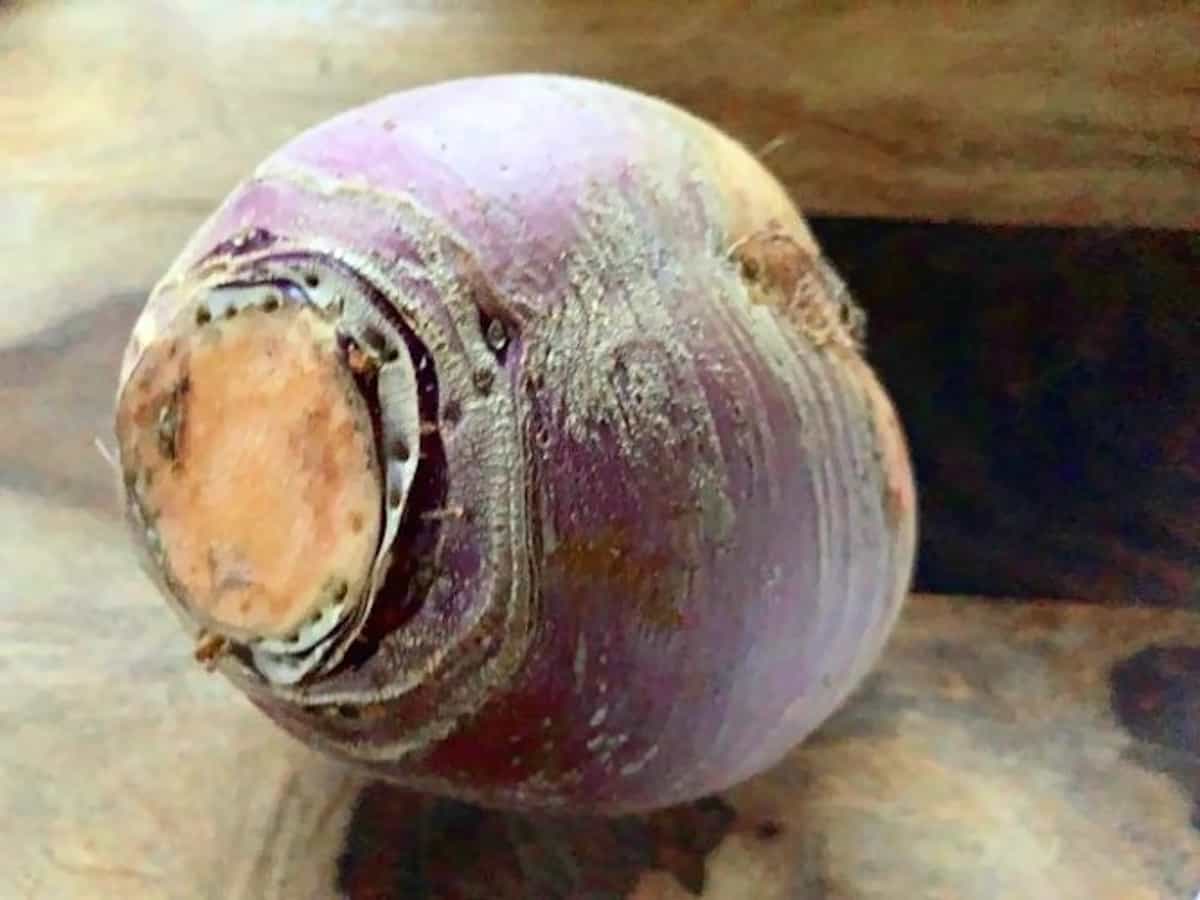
{"type": "Point", "coordinates": [250, 453]}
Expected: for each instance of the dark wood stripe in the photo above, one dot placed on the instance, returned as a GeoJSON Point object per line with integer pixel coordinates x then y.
{"type": "Point", "coordinates": [57, 390]}
{"type": "Point", "coordinates": [1156, 696]}
{"type": "Point", "coordinates": [400, 844]}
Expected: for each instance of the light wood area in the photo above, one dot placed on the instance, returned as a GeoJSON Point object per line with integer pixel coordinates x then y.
{"type": "Point", "coordinates": [123, 123]}
{"type": "Point", "coordinates": [983, 759]}
{"type": "Point", "coordinates": [1025, 749]}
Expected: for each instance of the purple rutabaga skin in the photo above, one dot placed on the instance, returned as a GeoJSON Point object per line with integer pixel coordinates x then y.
{"type": "Point", "coordinates": [674, 523]}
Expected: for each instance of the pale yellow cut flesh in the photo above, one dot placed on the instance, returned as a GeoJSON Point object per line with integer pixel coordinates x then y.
{"type": "Point", "coordinates": [252, 455]}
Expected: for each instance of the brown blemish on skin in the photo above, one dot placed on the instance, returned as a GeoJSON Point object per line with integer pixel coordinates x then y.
{"type": "Point", "coordinates": [275, 493]}
{"type": "Point", "coordinates": [171, 416]}
{"type": "Point", "coordinates": [898, 497]}
{"type": "Point", "coordinates": [782, 274]}
{"type": "Point", "coordinates": [359, 362]}
{"type": "Point", "coordinates": [772, 260]}
{"type": "Point", "coordinates": [893, 505]}
{"type": "Point", "coordinates": [613, 558]}
{"type": "Point", "coordinates": [899, 491]}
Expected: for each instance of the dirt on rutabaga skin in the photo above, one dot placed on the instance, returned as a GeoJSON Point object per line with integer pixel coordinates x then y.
{"type": "Point", "coordinates": [615, 559]}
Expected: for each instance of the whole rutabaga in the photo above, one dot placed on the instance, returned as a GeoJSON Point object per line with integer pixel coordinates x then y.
{"type": "Point", "coordinates": [510, 438]}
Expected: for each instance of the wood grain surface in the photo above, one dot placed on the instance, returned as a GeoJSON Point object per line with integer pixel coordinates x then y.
{"type": "Point", "coordinates": [1027, 749]}
{"type": "Point", "coordinates": [1033, 751]}
{"type": "Point", "coordinates": [121, 122]}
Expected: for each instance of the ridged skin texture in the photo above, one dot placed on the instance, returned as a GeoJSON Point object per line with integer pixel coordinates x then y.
{"type": "Point", "coordinates": [676, 520]}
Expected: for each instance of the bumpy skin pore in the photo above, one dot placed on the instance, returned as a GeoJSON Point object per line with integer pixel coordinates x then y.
{"type": "Point", "coordinates": [646, 516]}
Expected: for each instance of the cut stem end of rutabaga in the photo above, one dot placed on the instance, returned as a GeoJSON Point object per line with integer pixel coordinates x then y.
{"type": "Point", "coordinates": [250, 454]}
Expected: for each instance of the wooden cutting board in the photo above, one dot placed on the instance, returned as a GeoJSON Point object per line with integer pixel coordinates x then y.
{"type": "Point", "coordinates": [1017, 749]}
{"type": "Point", "coordinates": [1001, 750]}
{"type": "Point", "coordinates": [121, 122]}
